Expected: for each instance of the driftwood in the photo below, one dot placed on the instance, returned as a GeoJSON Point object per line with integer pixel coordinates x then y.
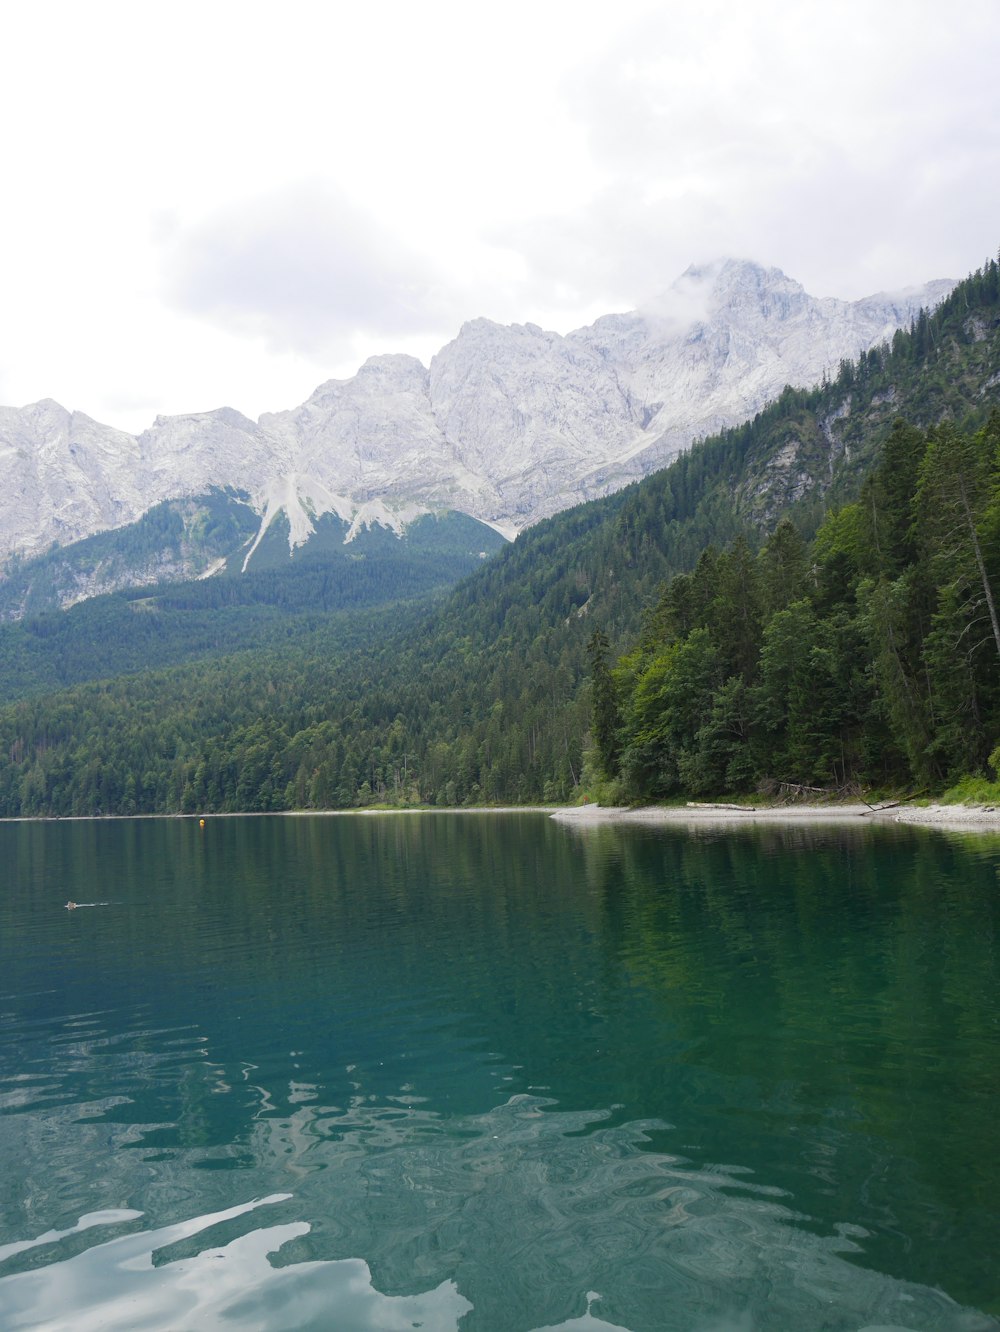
{"type": "Point", "coordinates": [789, 792]}
{"type": "Point", "coordinates": [718, 804]}
{"type": "Point", "coordinates": [894, 804]}
{"type": "Point", "coordinates": [792, 791]}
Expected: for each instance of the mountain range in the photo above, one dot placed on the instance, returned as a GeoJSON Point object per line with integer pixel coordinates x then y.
{"type": "Point", "coordinates": [508, 424]}
{"type": "Point", "coordinates": [801, 598]}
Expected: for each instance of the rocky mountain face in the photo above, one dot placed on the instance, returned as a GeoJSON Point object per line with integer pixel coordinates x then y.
{"type": "Point", "coordinates": [507, 424]}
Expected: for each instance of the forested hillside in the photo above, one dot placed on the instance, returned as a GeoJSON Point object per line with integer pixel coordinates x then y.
{"type": "Point", "coordinates": [870, 655]}
{"type": "Point", "coordinates": [328, 588]}
{"type": "Point", "coordinates": [489, 697]}
{"type": "Point", "coordinates": [175, 539]}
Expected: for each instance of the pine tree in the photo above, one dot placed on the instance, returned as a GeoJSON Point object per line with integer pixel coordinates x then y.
{"type": "Point", "coordinates": [605, 716]}
{"type": "Point", "coordinates": [956, 491]}
{"type": "Point", "coordinates": [784, 566]}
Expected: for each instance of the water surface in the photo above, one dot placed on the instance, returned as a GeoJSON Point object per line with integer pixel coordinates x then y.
{"type": "Point", "coordinates": [492, 1073]}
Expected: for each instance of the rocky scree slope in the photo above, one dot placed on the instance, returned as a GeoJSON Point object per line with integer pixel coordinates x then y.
{"type": "Point", "coordinates": [507, 424]}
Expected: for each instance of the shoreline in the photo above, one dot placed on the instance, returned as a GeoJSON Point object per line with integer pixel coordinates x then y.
{"type": "Point", "coordinates": [954, 818]}
{"type": "Point", "coordinates": [365, 812]}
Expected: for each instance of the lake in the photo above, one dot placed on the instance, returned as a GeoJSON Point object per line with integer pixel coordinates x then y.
{"type": "Point", "coordinates": [492, 1073]}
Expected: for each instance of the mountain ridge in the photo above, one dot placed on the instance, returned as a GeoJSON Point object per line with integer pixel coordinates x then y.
{"type": "Point", "coordinates": [508, 423]}
{"type": "Point", "coordinates": [486, 696]}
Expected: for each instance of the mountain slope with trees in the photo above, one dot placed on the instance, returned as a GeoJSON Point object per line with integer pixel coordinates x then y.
{"type": "Point", "coordinates": [343, 591]}
{"type": "Point", "coordinates": [870, 655]}
{"type": "Point", "coordinates": [489, 698]}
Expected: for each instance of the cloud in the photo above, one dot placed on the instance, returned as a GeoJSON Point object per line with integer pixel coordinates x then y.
{"type": "Point", "coordinates": [306, 270]}
{"type": "Point", "coordinates": [851, 146]}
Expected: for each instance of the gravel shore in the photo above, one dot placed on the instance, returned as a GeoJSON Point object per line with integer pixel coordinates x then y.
{"type": "Point", "coordinates": [967, 818]}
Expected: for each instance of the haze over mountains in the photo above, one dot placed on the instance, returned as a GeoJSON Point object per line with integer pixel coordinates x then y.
{"type": "Point", "coordinates": [507, 424]}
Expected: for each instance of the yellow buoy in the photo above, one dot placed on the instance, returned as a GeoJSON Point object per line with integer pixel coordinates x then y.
{"type": "Point", "coordinates": [201, 823]}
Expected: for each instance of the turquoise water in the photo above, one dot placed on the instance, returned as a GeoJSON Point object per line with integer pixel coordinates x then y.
{"type": "Point", "coordinates": [488, 1072]}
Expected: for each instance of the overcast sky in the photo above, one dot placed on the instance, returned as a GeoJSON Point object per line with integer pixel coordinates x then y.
{"type": "Point", "coordinates": [221, 203]}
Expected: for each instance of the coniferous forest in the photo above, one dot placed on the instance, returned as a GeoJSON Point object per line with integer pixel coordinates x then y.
{"type": "Point", "coordinates": [870, 655]}
{"type": "Point", "coordinates": [809, 600]}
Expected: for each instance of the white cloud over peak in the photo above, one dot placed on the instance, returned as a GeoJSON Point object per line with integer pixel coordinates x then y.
{"type": "Point", "coordinates": [307, 270]}
{"type": "Point", "coordinates": [233, 202]}
{"type": "Point", "coordinates": [852, 145]}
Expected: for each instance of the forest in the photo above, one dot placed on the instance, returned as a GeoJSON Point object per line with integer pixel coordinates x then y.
{"type": "Point", "coordinates": [331, 588]}
{"type": "Point", "coordinates": [807, 599]}
{"type": "Point", "coordinates": [868, 657]}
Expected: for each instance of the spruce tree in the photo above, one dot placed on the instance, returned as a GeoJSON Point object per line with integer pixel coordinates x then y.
{"type": "Point", "coordinates": [605, 718]}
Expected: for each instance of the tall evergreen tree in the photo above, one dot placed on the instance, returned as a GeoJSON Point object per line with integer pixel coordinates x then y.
{"type": "Point", "coordinates": [784, 568]}
{"type": "Point", "coordinates": [605, 717]}
{"type": "Point", "coordinates": [957, 489]}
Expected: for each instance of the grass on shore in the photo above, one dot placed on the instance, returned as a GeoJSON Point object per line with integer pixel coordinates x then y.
{"type": "Point", "coordinates": [972, 791]}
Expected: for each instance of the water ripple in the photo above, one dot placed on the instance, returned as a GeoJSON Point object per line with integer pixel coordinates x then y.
{"type": "Point", "coordinates": [502, 1220]}
{"type": "Point", "coordinates": [118, 1286]}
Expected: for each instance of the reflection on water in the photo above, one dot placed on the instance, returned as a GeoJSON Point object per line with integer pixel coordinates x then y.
{"type": "Point", "coordinates": [126, 1283]}
{"type": "Point", "coordinates": [486, 1072]}
{"type": "Point", "coordinates": [516, 1191]}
